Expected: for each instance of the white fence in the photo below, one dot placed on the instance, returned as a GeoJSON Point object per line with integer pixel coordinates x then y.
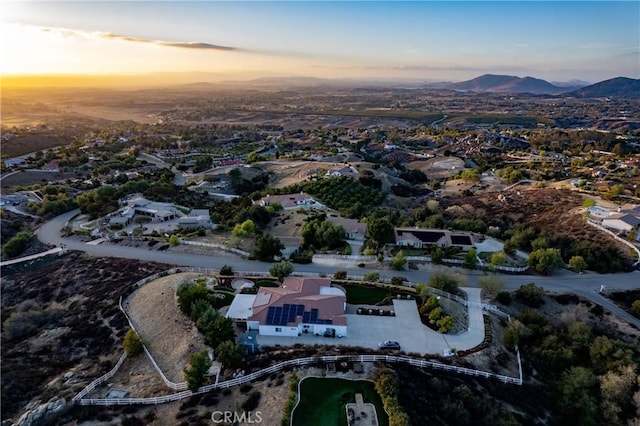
{"type": "Point", "coordinates": [622, 240]}
{"type": "Point", "coordinates": [448, 295]}
{"type": "Point", "coordinates": [295, 363]}
{"type": "Point", "coordinates": [346, 257]}
{"type": "Point", "coordinates": [495, 310]}
{"type": "Point", "coordinates": [100, 380]}
{"type": "Point", "coordinates": [79, 398]}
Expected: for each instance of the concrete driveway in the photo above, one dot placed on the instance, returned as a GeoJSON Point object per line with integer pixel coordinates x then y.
{"type": "Point", "coordinates": [405, 328]}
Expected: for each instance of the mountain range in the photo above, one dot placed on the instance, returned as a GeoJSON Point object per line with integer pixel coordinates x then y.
{"type": "Point", "coordinates": [617, 87]}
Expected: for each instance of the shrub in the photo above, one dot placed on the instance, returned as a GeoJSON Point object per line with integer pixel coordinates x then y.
{"type": "Point", "coordinates": [132, 344]}
{"type": "Point", "coordinates": [446, 282]}
{"type": "Point", "coordinates": [16, 245]}
{"type": "Point", "coordinates": [340, 275]}
{"type": "Point", "coordinates": [530, 295]}
{"type": "Point", "coordinates": [372, 276]}
{"type": "Point", "coordinates": [504, 297]}
{"type": "Point", "coordinates": [252, 401]}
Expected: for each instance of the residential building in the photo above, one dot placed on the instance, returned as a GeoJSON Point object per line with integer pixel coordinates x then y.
{"type": "Point", "coordinates": [299, 306]}
{"type": "Point", "coordinates": [422, 238]}
{"type": "Point", "coordinates": [290, 201]}
{"type": "Point", "coordinates": [355, 230]}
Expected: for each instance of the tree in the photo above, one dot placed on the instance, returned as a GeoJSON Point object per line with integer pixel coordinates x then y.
{"type": "Point", "coordinates": [196, 372]}
{"type": "Point", "coordinates": [491, 285]}
{"type": "Point", "coordinates": [226, 270]}
{"type": "Point", "coordinates": [174, 240]}
{"type": "Point", "coordinates": [588, 202]}
{"type": "Point", "coordinates": [447, 282]}
{"type": "Point", "coordinates": [188, 292]}
{"type": "Point", "coordinates": [577, 396]}
{"type": "Point", "coordinates": [437, 255]}
{"type": "Point", "coordinates": [514, 333]}
{"type": "Point", "coordinates": [380, 231]}
{"type": "Point", "coordinates": [577, 263]}
{"type": "Point", "coordinates": [229, 354]}
{"type": "Point", "coordinates": [509, 248]}
{"type": "Point", "coordinates": [267, 246]}
{"type": "Point", "coordinates": [281, 269]}
{"type": "Point", "coordinates": [545, 261]}
{"type": "Point", "coordinates": [244, 229]}
{"type": "Point", "coordinates": [399, 261]}
{"type": "Point", "coordinates": [635, 308]}
{"type": "Point", "coordinates": [132, 344]}
{"type": "Point", "coordinates": [530, 295]}
{"type": "Point", "coordinates": [498, 258]}
{"type": "Point", "coordinates": [471, 258]}
{"type": "Point", "coordinates": [216, 331]}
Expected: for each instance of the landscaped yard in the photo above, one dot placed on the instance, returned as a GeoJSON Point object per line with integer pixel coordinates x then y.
{"type": "Point", "coordinates": [358, 294]}
{"type": "Point", "coordinates": [323, 401]}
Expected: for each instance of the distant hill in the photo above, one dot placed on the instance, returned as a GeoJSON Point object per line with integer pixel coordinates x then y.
{"type": "Point", "coordinates": [508, 84]}
{"type": "Point", "coordinates": [620, 87]}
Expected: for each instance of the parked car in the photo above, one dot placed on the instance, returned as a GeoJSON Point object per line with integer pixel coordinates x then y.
{"type": "Point", "coordinates": [389, 344]}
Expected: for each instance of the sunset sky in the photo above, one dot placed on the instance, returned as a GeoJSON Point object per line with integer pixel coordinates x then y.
{"type": "Point", "coordinates": [451, 40]}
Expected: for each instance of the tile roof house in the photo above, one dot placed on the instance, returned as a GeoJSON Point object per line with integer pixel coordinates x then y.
{"type": "Point", "coordinates": [421, 238]}
{"type": "Point", "coordinates": [299, 306]}
{"type": "Point", "coordinates": [355, 230]}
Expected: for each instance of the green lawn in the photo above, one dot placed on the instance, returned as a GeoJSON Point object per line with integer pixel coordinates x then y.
{"type": "Point", "coordinates": [218, 301]}
{"type": "Point", "coordinates": [323, 401]}
{"type": "Point", "coordinates": [361, 295]}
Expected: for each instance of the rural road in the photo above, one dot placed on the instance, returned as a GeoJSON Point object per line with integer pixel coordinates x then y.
{"type": "Point", "coordinates": [586, 285]}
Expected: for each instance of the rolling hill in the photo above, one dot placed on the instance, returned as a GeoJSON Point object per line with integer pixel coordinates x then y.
{"type": "Point", "coordinates": [508, 84]}
{"type": "Point", "coordinates": [621, 87]}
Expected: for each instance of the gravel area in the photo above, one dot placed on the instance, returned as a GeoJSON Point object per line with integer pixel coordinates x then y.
{"type": "Point", "coordinates": [170, 336]}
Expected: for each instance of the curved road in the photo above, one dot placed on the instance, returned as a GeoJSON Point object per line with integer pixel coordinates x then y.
{"type": "Point", "coordinates": [585, 285]}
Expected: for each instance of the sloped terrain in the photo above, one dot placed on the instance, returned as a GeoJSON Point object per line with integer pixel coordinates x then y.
{"type": "Point", "coordinates": [60, 318]}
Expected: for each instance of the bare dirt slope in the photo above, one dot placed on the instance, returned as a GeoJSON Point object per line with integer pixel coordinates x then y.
{"type": "Point", "coordinates": [170, 336]}
{"type": "Point", "coordinates": [59, 318]}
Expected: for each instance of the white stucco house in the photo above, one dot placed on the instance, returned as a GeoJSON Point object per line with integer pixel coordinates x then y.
{"type": "Point", "coordinates": [299, 306]}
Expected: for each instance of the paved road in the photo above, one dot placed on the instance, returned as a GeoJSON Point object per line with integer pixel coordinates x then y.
{"type": "Point", "coordinates": [586, 285]}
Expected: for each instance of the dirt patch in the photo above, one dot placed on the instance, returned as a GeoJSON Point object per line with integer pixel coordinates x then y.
{"type": "Point", "coordinates": [170, 336]}
{"type": "Point", "coordinates": [438, 167]}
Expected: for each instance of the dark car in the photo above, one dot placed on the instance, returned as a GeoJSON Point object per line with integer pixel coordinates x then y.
{"type": "Point", "coordinates": [389, 344]}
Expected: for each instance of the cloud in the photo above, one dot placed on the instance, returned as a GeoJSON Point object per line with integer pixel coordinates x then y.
{"type": "Point", "coordinates": [180, 44]}
{"type": "Point", "coordinates": [67, 32]}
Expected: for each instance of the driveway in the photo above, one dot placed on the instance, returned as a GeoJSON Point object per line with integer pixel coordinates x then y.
{"type": "Point", "coordinates": [406, 328]}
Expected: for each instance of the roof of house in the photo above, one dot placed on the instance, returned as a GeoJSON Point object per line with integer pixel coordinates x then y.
{"type": "Point", "coordinates": [461, 240]}
{"type": "Point", "coordinates": [351, 226]}
{"type": "Point", "coordinates": [299, 300]}
{"type": "Point", "coordinates": [241, 306]}
{"type": "Point", "coordinates": [428, 236]}
{"type": "Point", "coordinates": [624, 217]}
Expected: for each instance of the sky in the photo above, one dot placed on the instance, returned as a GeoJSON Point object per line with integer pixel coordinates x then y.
{"type": "Point", "coordinates": [419, 40]}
